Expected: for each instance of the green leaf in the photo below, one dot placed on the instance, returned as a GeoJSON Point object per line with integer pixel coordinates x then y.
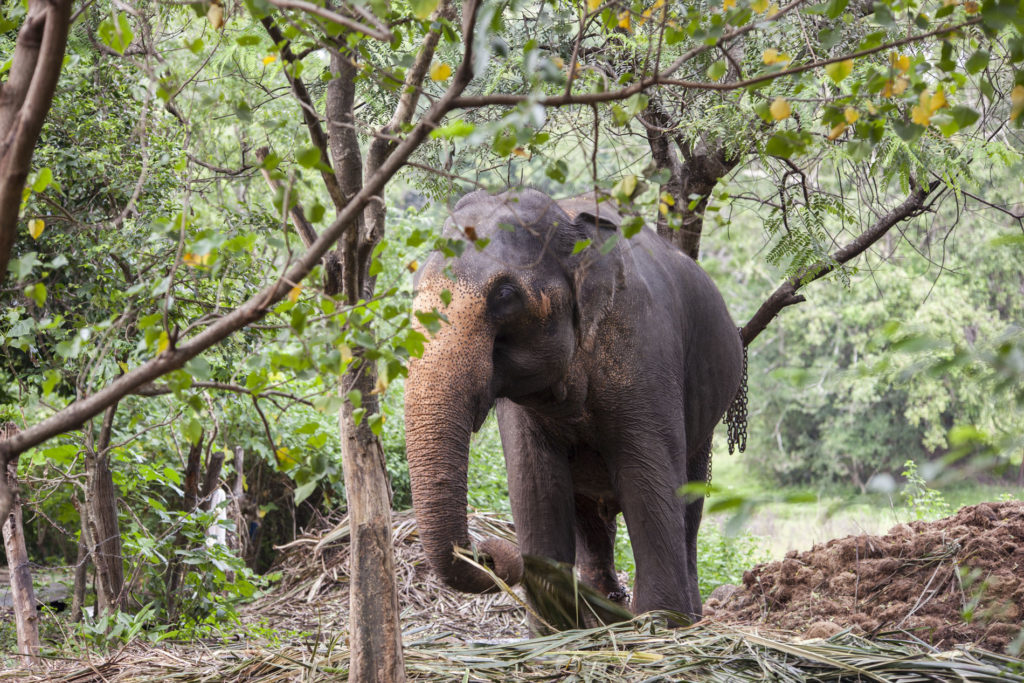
{"type": "Point", "coordinates": [717, 70]}
{"type": "Point", "coordinates": [977, 61]}
{"type": "Point", "coordinates": [883, 15]}
{"type": "Point", "coordinates": [43, 179]}
{"type": "Point", "coordinates": [421, 9]}
{"type": "Point", "coordinates": [837, 71]}
{"type": "Point", "coordinates": [456, 129]}
{"type": "Point", "coordinates": [907, 131]}
{"type": "Point", "coordinates": [557, 171]}
{"type": "Point", "coordinates": [303, 492]}
{"type": "Point", "coordinates": [308, 157]}
{"type": "Point", "coordinates": [580, 246]}
{"type": "Point", "coordinates": [116, 33]}
{"type": "Point", "coordinates": [37, 292]}
{"type": "Point", "coordinates": [632, 226]}
{"type": "Point", "coordinates": [963, 115]}
{"type": "Point", "coordinates": [835, 8]}
{"type": "Point", "coordinates": [609, 244]}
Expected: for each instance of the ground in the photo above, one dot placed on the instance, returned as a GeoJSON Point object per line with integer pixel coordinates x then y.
{"type": "Point", "coordinates": [858, 608]}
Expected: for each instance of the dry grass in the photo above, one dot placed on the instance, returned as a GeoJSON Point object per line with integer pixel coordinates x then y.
{"type": "Point", "coordinates": [297, 633]}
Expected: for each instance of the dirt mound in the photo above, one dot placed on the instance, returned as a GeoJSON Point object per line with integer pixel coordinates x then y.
{"type": "Point", "coordinates": [956, 580]}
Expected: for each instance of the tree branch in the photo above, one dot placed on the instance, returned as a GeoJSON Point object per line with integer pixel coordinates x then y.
{"type": "Point", "coordinates": [24, 101]}
{"type": "Point", "coordinates": [258, 305]}
{"type": "Point", "coordinates": [786, 294]}
{"type": "Point", "coordinates": [309, 8]}
{"type": "Point", "coordinates": [316, 131]}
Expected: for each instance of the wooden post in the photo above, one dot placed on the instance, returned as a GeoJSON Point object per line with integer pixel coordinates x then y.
{"type": "Point", "coordinates": [26, 617]}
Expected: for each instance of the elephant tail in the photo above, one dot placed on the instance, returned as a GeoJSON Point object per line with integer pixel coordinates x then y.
{"type": "Point", "coordinates": [736, 416]}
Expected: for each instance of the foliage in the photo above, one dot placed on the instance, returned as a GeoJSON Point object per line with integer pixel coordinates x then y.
{"type": "Point", "coordinates": [925, 503]}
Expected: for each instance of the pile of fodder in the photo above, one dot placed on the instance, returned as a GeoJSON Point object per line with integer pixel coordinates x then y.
{"type": "Point", "coordinates": [953, 581]}
{"type": "Point", "coordinates": [638, 650]}
{"type": "Point", "coordinates": [312, 593]}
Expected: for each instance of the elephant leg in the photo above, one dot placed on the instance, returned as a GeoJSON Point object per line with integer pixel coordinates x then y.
{"type": "Point", "coordinates": [646, 477]}
{"type": "Point", "coordinates": [539, 488]}
{"type": "Point", "coordinates": [696, 470]}
{"type": "Point", "coordinates": [595, 546]}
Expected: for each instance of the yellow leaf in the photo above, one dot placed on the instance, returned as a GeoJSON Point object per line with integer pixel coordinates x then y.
{"type": "Point", "coordinates": [668, 199]}
{"type": "Point", "coordinates": [381, 385]}
{"type": "Point", "coordinates": [346, 353]}
{"type": "Point", "coordinates": [194, 260]}
{"type": "Point", "coordinates": [520, 152]}
{"type": "Point", "coordinates": [899, 62]}
{"type": "Point", "coordinates": [215, 14]}
{"type": "Point", "coordinates": [773, 9]}
{"type": "Point", "coordinates": [440, 72]}
{"type": "Point", "coordinates": [1016, 102]}
{"type": "Point", "coordinates": [896, 87]}
{"type": "Point", "coordinates": [624, 20]}
{"type": "Point", "coordinates": [269, 59]}
{"type": "Point", "coordinates": [284, 457]}
{"type": "Point", "coordinates": [851, 115]}
{"type": "Point", "coordinates": [780, 109]}
{"type": "Point", "coordinates": [293, 295]}
{"type": "Point", "coordinates": [770, 56]}
{"type": "Point", "coordinates": [163, 343]}
{"type": "Point", "coordinates": [871, 108]}
{"type": "Point", "coordinates": [938, 101]}
{"type": "Point", "coordinates": [646, 14]}
{"type": "Point", "coordinates": [837, 130]}
{"type": "Point", "coordinates": [35, 227]}
{"type": "Point", "coordinates": [413, 266]}
{"type": "Point", "coordinates": [663, 208]}
{"type": "Point", "coordinates": [592, 5]}
{"type": "Point", "coordinates": [920, 115]}
{"type": "Point", "coordinates": [728, 4]}
{"type": "Point", "coordinates": [760, 6]}
{"type": "Point", "coordinates": [971, 7]}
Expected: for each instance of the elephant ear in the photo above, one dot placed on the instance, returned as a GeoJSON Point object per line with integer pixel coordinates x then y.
{"type": "Point", "coordinates": [597, 271]}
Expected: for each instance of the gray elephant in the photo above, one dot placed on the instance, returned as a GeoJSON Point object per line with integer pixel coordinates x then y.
{"type": "Point", "coordinates": [610, 367]}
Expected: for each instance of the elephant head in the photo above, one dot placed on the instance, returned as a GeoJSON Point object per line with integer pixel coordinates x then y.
{"type": "Point", "coordinates": [516, 312]}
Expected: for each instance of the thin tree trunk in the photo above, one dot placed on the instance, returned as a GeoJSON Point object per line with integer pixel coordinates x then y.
{"type": "Point", "coordinates": [81, 568]}
{"type": "Point", "coordinates": [374, 630]}
{"type": "Point", "coordinates": [175, 573]}
{"type": "Point", "coordinates": [26, 617]}
{"type": "Point", "coordinates": [101, 504]}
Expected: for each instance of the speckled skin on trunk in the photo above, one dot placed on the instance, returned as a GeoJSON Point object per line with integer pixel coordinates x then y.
{"type": "Point", "coordinates": [609, 372]}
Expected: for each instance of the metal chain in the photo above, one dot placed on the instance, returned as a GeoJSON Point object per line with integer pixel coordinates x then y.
{"type": "Point", "coordinates": [736, 417]}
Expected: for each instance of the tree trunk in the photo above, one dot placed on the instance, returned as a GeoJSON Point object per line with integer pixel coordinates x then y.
{"type": "Point", "coordinates": [81, 567]}
{"type": "Point", "coordinates": [374, 629]}
{"type": "Point", "coordinates": [104, 531]}
{"type": "Point", "coordinates": [26, 617]}
{"type": "Point", "coordinates": [24, 101]}
{"type": "Point", "coordinates": [175, 573]}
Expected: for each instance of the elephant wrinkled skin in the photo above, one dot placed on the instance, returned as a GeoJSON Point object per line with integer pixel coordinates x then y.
{"type": "Point", "coordinates": [609, 372]}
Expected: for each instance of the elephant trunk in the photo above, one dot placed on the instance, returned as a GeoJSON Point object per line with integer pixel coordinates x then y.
{"type": "Point", "coordinates": [441, 414]}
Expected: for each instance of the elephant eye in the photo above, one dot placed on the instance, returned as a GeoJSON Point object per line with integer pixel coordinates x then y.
{"type": "Point", "coordinates": [505, 299]}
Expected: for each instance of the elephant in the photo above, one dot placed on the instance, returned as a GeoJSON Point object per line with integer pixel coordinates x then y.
{"type": "Point", "coordinates": [609, 361]}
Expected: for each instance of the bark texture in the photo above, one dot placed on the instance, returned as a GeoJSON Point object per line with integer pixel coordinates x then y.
{"type": "Point", "coordinates": [26, 618]}
{"type": "Point", "coordinates": [104, 530]}
{"type": "Point", "coordinates": [24, 101]}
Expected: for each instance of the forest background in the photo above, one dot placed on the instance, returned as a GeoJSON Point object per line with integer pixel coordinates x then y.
{"type": "Point", "coordinates": [180, 165]}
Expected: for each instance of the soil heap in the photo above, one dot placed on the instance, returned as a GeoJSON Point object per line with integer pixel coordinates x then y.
{"type": "Point", "coordinates": [956, 580]}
